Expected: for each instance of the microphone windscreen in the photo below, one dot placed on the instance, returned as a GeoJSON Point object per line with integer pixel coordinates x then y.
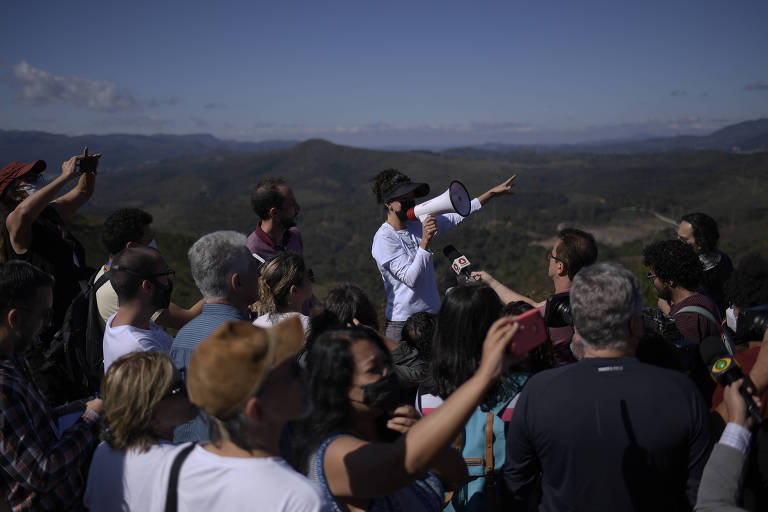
{"type": "Point", "coordinates": [712, 349]}
{"type": "Point", "coordinates": [450, 252]}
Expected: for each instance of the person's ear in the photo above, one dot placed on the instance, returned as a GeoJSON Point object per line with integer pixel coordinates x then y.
{"type": "Point", "coordinates": [273, 211]}
{"type": "Point", "coordinates": [12, 318]}
{"type": "Point", "coordinates": [131, 244]}
{"type": "Point", "coordinates": [293, 290]}
{"type": "Point", "coordinates": [235, 282]}
{"type": "Point", "coordinates": [254, 410]}
{"type": "Point", "coordinates": [147, 285]}
{"type": "Point", "coordinates": [561, 269]}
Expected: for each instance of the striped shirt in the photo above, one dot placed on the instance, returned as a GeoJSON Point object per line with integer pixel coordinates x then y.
{"type": "Point", "coordinates": [187, 339]}
{"type": "Point", "coordinates": [42, 469]}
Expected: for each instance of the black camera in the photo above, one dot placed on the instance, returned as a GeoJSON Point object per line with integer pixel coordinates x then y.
{"type": "Point", "coordinates": [88, 163]}
{"type": "Point", "coordinates": [557, 312]}
{"type": "Point", "coordinates": [751, 324]}
{"type": "Point", "coordinates": [655, 321]}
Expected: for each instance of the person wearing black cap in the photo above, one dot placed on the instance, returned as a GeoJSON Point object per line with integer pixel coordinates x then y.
{"type": "Point", "coordinates": [401, 247]}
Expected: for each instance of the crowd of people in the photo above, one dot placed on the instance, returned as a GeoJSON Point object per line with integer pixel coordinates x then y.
{"type": "Point", "coordinates": [472, 398]}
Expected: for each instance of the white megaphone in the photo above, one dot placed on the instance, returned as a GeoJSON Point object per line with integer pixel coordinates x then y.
{"type": "Point", "coordinates": [454, 199]}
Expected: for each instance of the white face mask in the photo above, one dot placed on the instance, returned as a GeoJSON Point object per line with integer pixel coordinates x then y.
{"type": "Point", "coordinates": [730, 319]}
{"type": "Point", "coordinates": [28, 188]}
{"type": "Point", "coordinates": [152, 244]}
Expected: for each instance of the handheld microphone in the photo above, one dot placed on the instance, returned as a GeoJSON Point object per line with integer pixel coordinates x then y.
{"type": "Point", "coordinates": [460, 262]}
{"type": "Point", "coordinates": [725, 370]}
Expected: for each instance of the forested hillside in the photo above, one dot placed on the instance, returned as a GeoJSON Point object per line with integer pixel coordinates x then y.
{"type": "Point", "coordinates": [618, 197]}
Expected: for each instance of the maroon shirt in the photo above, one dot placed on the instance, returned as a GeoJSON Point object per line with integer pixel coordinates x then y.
{"type": "Point", "coordinates": [260, 243]}
{"type": "Point", "coordinates": [693, 326]}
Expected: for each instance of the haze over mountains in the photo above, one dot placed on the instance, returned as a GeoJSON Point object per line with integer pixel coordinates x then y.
{"type": "Point", "coordinates": [123, 150]}
{"type": "Point", "coordinates": [126, 151]}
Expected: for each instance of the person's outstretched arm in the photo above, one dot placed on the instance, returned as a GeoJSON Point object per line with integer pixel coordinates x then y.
{"type": "Point", "coordinates": [70, 202]}
{"type": "Point", "coordinates": [349, 462]}
{"type": "Point", "coordinates": [19, 221]}
{"type": "Point", "coordinates": [502, 189]}
{"type": "Point", "coordinates": [505, 294]}
{"type": "Point", "coordinates": [448, 220]}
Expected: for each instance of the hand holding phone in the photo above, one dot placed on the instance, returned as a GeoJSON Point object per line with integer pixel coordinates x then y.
{"type": "Point", "coordinates": [88, 163]}
{"type": "Point", "coordinates": [530, 334]}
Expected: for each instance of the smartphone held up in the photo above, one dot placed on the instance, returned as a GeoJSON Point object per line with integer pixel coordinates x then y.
{"type": "Point", "coordinates": [531, 333]}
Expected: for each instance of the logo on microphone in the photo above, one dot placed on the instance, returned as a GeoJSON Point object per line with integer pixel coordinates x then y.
{"type": "Point", "coordinates": [721, 365]}
{"type": "Point", "coordinates": [460, 263]}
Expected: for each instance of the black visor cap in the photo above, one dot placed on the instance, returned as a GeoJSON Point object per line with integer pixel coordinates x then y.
{"type": "Point", "coordinates": [405, 188]}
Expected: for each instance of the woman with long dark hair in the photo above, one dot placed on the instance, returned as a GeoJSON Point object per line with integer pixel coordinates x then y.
{"type": "Point", "coordinates": [347, 443]}
{"type": "Point", "coordinates": [467, 313]}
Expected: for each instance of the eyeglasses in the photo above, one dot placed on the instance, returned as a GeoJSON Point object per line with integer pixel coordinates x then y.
{"type": "Point", "coordinates": [551, 256]}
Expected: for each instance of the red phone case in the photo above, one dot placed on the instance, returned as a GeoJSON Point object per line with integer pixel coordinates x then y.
{"type": "Point", "coordinates": [530, 334]}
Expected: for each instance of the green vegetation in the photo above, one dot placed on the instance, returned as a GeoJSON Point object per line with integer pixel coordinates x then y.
{"type": "Point", "coordinates": [614, 196]}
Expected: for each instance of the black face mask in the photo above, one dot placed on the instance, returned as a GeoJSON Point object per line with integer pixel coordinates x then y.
{"type": "Point", "coordinates": [405, 205]}
{"type": "Point", "coordinates": [383, 394]}
{"type": "Point", "coordinates": [162, 296]}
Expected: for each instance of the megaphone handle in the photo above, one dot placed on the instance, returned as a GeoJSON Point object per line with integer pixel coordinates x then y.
{"type": "Point", "coordinates": [423, 219]}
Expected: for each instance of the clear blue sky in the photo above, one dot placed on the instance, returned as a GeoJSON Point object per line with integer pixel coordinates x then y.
{"type": "Point", "coordinates": [379, 73]}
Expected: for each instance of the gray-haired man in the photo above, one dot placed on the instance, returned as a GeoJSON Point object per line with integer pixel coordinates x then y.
{"type": "Point", "coordinates": [227, 276]}
{"type": "Point", "coordinates": [609, 432]}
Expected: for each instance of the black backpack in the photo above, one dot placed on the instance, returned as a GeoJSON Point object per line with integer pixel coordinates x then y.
{"type": "Point", "coordinates": [77, 347]}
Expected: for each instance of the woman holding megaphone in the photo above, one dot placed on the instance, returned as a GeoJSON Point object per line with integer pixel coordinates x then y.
{"type": "Point", "coordinates": [401, 244]}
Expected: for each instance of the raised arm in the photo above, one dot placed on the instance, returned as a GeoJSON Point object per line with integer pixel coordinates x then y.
{"type": "Point", "coordinates": [349, 462]}
{"type": "Point", "coordinates": [505, 294]}
{"type": "Point", "coordinates": [19, 221]}
{"type": "Point", "coordinates": [70, 202]}
{"type": "Point", "coordinates": [504, 188]}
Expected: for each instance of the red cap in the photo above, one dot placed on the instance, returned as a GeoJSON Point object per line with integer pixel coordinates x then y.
{"type": "Point", "coordinates": [16, 170]}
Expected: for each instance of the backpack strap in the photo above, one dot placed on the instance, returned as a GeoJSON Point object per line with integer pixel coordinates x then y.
{"type": "Point", "coordinates": [699, 311]}
{"type": "Point", "coordinates": [490, 483]}
{"type": "Point", "coordinates": [100, 281]}
{"type": "Point", "coordinates": [448, 496]}
{"type": "Point", "coordinates": [172, 498]}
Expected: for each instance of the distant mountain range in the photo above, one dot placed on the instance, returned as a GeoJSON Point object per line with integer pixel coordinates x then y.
{"type": "Point", "coordinates": [121, 151]}
{"type": "Point", "coordinates": [126, 151]}
{"type": "Point", "coordinates": [746, 137]}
